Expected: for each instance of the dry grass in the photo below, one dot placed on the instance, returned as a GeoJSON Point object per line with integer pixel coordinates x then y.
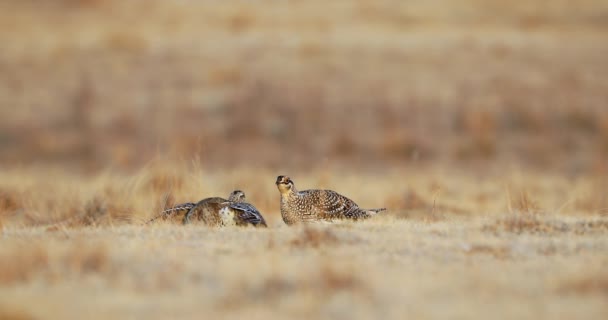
{"type": "Point", "coordinates": [588, 284]}
{"type": "Point", "coordinates": [43, 197]}
{"type": "Point", "coordinates": [404, 262]}
{"type": "Point", "coordinates": [394, 268]}
{"type": "Point", "coordinates": [481, 125]}
{"type": "Point", "coordinates": [29, 262]}
{"type": "Point", "coordinates": [310, 237]}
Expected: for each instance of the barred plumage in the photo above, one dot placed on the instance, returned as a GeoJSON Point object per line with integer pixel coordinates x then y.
{"type": "Point", "coordinates": [317, 205]}
{"type": "Point", "coordinates": [221, 212]}
{"type": "Point", "coordinates": [247, 214]}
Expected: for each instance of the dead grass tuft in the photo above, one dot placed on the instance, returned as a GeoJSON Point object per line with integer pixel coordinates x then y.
{"type": "Point", "coordinates": [429, 208]}
{"type": "Point", "coordinates": [9, 201]}
{"type": "Point", "coordinates": [587, 284]}
{"type": "Point", "coordinates": [591, 226]}
{"type": "Point", "coordinates": [334, 279]}
{"type": "Point", "coordinates": [321, 282]}
{"type": "Point", "coordinates": [161, 181]}
{"type": "Point", "coordinates": [126, 42]}
{"type": "Point", "coordinates": [536, 224]}
{"type": "Point", "coordinates": [89, 258]}
{"type": "Point", "coordinates": [241, 21]}
{"type": "Point", "coordinates": [595, 200]}
{"type": "Point", "coordinates": [498, 252]}
{"type": "Point", "coordinates": [23, 263]}
{"type": "Point", "coordinates": [522, 202]}
{"type": "Point", "coordinates": [310, 237]}
{"type": "Point", "coordinates": [414, 201]}
{"type": "Point", "coordinates": [95, 210]}
{"type": "Point", "coordinates": [99, 211]}
{"type": "Point", "coordinates": [525, 223]}
{"type": "Point", "coordinates": [274, 287]}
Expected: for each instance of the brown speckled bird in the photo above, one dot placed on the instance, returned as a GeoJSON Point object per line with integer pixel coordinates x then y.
{"type": "Point", "coordinates": [317, 205]}
{"type": "Point", "coordinates": [218, 211]}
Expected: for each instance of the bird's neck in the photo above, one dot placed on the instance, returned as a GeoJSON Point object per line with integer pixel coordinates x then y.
{"type": "Point", "coordinates": [290, 193]}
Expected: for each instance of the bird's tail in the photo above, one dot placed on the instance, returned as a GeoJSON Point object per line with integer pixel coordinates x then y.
{"type": "Point", "coordinates": [372, 212]}
{"type": "Point", "coordinates": [169, 212]}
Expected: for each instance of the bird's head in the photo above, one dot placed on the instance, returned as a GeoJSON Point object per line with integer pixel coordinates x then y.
{"type": "Point", "coordinates": [237, 196]}
{"type": "Point", "coordinates": [284, 184]}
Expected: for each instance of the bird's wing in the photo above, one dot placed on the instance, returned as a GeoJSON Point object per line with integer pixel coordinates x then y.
{"type": "Point", "coordinates": [248, 213]}
{"type": "Point", "coordinates": [333, 205]}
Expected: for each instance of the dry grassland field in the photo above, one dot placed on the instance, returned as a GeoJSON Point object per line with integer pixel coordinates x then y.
{"type": "Point", "coordinates": [482, 126]}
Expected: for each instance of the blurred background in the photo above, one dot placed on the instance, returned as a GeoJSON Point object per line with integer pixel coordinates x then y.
{"type": "Point", "coordinates": [92, 84]}
{"type": "Point", "coordinates": [482, 125]}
